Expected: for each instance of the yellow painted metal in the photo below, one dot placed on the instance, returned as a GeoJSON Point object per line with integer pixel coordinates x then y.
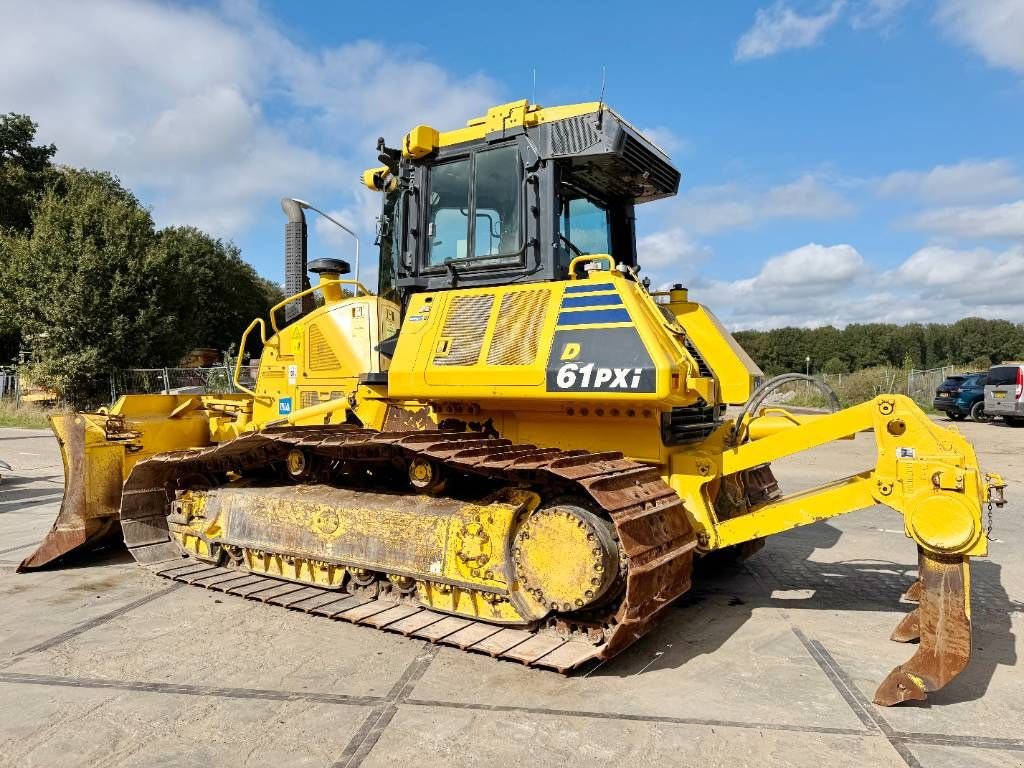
{"type": "Point", "coordinates": [512, 115]}
{"type": "Point", "coordinates": [770, 421]}
{"type": "Point", "coordinates": [927, 473]}
{"type": "Point", "coordinates": [593, 259]}
{"type": "Point", "coordinates": [564, 557]}
{"type": "Point", "coordinates": [454, 553]}
{"type": "Point", "coordinates": [420, 142]}
{"type": "Point", "coordinates": [98, 451]}
{"type": "Point", "coordinates": [445, 348]}
{"type": "Point", "coordinates": [482, 357]}
{"type": "Point", "coordinates": [314, 414]}
{"type": "Point", "coordinates": [738, 375]}
{"type": "Point", "coordinates": [309, 371]}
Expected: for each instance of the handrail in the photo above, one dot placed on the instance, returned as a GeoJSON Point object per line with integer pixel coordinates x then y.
{"type": "Point", "coordinates": [590, 257]}
{"type": "Point", "coordinates": [241, 352]}
{"type": "Point", "coordinates": [321, 284]}
{"type": "Point", "coordinates": [273, 323]}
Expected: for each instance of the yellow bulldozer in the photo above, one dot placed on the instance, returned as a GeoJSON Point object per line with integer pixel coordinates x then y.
{"type": "Point", "coordinates": [515, 446]}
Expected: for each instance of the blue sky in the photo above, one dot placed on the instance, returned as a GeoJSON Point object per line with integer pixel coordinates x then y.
{"type": "Point", "coordinates": [842, 161]}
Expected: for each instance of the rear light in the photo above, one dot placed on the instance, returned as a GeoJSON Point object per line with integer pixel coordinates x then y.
{"type": "Point", "coordinates": [1020, 382]}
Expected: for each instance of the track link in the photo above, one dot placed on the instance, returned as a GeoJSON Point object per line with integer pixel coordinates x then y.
{"type": "Point", "coordinates": [653, 529]}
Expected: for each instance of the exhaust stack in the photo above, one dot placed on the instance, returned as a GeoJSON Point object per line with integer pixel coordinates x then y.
{"type": "Point", "coordinates": [296, 250]}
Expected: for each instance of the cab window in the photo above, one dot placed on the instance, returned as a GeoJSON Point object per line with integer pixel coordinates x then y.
{"type": "Point", "coordinates": [481, 220]}
{"type": "Point", "coordinates": [448, 229]}
{"type": "Point", "coordinates": [497, 220]}
{"type": "Point", "coordinates": [583, 227]}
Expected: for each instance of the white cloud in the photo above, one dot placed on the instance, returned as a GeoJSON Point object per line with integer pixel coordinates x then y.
{"type": "Point", "coordinates": [819, 285]}
{"type": "Point", "coordinates": [665, 139]}
{"type": "Point", "coordinates": [780, 28]}
{"type": "Point", "coordinates": [670, 248]}
{"type": "Point", "coordinates": [994, 29]}
{"type": "Point", "coordinates": [208, 115]}
{"type": "Point", "coordinates": [979, 274]}
{"type": "Point", "coordinates": [973, 222]}
{"type": "Point", "coordinates": [709, 210]}
{"type": "Point", "coordinates": [877, 13]}
{"type": "Point", "coordinates": [967, 181]}
{"type": "Point", "coordinates": [803, 287]}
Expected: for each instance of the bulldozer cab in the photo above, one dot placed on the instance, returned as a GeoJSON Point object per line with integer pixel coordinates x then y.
{"type": "Point", "coordinates": [513, 197]}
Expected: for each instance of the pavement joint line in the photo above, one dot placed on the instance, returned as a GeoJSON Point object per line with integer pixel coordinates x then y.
{"type": "Point", "coordinates": [189, 690]}
{"type": "Point", "coordinates": [850, 693]}
{"type": "Point", "coordinates": [853, 697]}
{"type": "Point", "coordinates": [369, 733]}
{"type": "Point", "coordinates": [641, 718]}
{"type": "Point", "coordinates": [15, 549]}
{"type": "Point", "coordinates": [952, 740]}
{"type": "Point", "coordinates": [87, 625]}
{"type": "Point", "coordinates": [184, 689]}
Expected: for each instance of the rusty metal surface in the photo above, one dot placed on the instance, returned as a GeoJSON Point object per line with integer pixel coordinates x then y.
{"type": "Point", "coordinates": [398, 419]}
{"type": "Point", "coordinates": [649, 519]}
{"type": "Point", "coordinates": [89, 509]}
{"type": "Point", "coordinates": [942, 622]}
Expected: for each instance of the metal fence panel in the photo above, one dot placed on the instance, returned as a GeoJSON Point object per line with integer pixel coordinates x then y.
{"type": "Point", "coordinates": [921, 385]}
{"type": "Point", "coordinates": [206, 381]}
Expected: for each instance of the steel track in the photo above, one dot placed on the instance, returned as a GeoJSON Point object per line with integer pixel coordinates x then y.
{"type": "Point", "coordinates": [653, 529]}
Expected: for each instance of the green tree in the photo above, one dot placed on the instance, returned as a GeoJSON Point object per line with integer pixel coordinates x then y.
{"type": "Point", "coordinates": [857, 347]}
{"type": "Point", "coordinates": [85, 287]}
{"type": "Point", "coordinates": [94, 287]}
{"type": "Point", "coordinates": [211, 292]}
{"type": "Point", "coordinates": [25, 169]}
{"type": "Point", "coordinates": [834, 366]}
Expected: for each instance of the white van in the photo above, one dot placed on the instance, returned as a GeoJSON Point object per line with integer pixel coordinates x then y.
{"type": "Point", "coordinates": [1004, 393]}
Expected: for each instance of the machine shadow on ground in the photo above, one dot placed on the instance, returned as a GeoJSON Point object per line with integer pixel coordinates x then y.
{"type": "Point", "coordinates": [14, 498]}
{"type": "Point", "coordinates": [734, 590]}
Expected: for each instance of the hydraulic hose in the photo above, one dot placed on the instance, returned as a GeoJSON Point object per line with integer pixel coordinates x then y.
{"type": "Point", "coordinates": [762, 392]}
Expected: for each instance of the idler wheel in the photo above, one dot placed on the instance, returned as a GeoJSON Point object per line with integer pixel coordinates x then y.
{"type": "Point", "coordinates": [565, 556]}
{"type": "Point", "coordinates": [298, 464]}
{"type": "Point", "coordinates": [426, 477]}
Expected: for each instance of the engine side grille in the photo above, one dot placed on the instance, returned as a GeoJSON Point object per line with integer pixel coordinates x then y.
{"type": "Point", "coordinates": [687, 423]}
{"type": "Point", "coordinates": [465, 325]}
{"type": "Point", "coordinates": [517, 333]}
{"type": "Point", "coordinates": [321, 356]}
{"type": "Point", "coordinates": [702, 366]}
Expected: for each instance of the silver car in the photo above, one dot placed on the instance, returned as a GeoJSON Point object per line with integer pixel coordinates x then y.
{"type": "Point", "coordinates": [1004, 393]}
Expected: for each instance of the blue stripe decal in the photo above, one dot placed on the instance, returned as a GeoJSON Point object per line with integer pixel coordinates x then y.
{"type": "Point", "coordinates": [588, 288]}
{"type": "Point", "coordinates": [594, 316]}
{"type": "Point", "coordinates": [607, 300]}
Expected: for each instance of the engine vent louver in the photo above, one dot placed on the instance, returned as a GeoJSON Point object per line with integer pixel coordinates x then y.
{"type": "Point", "coordinates": [464, 329]}
{"type": "Point", "coordinates": [321, 356]}
{"type": "Point", "coordinates": [520, 320]}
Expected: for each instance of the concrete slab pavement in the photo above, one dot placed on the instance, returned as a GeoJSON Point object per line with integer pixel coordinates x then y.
{"type": "Point", "coordinates": [770, 663]}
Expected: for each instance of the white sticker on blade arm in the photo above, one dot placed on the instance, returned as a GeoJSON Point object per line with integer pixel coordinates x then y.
{"type": "Point", "coordinates": [905, 453]}
{"type": "Point", "coordinates": [293, 374]}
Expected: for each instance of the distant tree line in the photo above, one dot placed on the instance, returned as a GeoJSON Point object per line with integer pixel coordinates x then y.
{"type": "Point", "coordinates": [972, 342]}
{"type": "Point", "coordinates": [88, 283]}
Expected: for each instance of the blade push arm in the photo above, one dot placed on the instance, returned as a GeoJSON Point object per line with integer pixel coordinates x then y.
{"type": "Point", "coordinates": [928, 474]}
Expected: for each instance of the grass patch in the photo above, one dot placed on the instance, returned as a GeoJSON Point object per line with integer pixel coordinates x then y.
{"type": "Point", "coordinates": [24, 416]}
{"type": "Point", "coordinates": [854, 388]}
